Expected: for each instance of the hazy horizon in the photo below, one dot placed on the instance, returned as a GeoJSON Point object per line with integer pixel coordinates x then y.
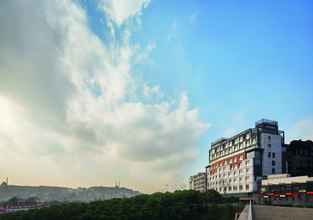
{"type": "Point", "coordinates": [100, 91]}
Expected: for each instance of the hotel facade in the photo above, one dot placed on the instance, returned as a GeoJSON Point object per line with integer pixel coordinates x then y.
{"type": "Point", "coordinates": [237, 164]}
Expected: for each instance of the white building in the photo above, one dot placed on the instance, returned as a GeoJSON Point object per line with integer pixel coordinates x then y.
{"type": "Point", "coordinates": [237, 164]}
{"type": "Point", "coordinates": [280, 179]}
{"type": "Point", "coordinates": [198, 182]}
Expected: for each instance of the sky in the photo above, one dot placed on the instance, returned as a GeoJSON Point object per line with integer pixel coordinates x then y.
{"type": "Point", "coordinates": [98, 91]}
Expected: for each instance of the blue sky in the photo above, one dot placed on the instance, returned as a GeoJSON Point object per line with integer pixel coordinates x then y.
{"type": "Point", "coordinates": [238, 61]}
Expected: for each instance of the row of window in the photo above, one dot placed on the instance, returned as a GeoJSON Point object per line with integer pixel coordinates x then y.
{"type": "Point", "coordinates": [229, 180]}
{"type": "Point", "coordinates": [232, 188]}
{"type": "Point", "coordinates": [233, 146]}
{"type": "Point", "coordinates": [221, 152]}
{"type": "Point", "coordinates": [236, 172]}
{"type": "Point", "coordinates": [271, 154]}
{"type": "Point", "coordinates": [235, 179]}
{"type": "Point", "coordinates": [233, 169]}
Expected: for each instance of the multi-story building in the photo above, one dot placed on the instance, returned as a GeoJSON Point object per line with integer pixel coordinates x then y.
{"type": "Point", "coordinates": [198, 182]}
{"type": "Point", "coordinates": [237, 164]}
{"type": "Point", "coordinates": [300, 158]}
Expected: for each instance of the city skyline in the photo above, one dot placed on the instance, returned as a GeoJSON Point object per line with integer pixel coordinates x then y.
{"type": "Point", "coordinates": [94, 92]}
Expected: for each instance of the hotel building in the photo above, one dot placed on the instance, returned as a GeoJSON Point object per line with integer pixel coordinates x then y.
{"type": "Point", "coordinates": [237, 164]}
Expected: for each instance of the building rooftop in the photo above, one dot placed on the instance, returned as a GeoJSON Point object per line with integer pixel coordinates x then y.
{"type": "Point", "coordinates": [257, 124]}
{"type": "Point", "coordinates": [266, 121]}
{"type": "Point", "coordinates": [220, 140]}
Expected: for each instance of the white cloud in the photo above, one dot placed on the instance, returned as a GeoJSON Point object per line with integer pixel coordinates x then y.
{"type": "Point", "coordinates": [151, 90]}
{"type": "Point", "coordinates": [144, 55]}
{"type": "Point", "coordinates": [72, 112]}
{"type": "Point", "coordinates": [119, 11]}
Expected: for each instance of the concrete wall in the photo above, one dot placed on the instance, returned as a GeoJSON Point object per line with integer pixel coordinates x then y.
{"type": "Point", "coordinates": [271, 145]}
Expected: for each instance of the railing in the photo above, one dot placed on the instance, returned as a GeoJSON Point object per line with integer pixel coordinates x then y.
{"type": "Point", "coordinates": [247, 213]}
{"type": "Point", "coordinates": [250, 214]}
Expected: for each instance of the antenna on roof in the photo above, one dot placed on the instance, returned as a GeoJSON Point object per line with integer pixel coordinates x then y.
{"type": "Point", "coordinates": [117, 184]}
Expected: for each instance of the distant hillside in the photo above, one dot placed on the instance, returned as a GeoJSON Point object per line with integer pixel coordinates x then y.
{"type": "Point", "coordinates": [47, 193]}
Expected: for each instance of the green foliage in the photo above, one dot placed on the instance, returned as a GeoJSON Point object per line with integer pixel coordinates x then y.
{"type": "Point", "coordinates": [180, 205]}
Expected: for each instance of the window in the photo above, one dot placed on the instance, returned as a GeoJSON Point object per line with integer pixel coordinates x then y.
{"type": "Point", "coordinates": [273, 163]}
{"type": "Point", "coordinates": [247, 187]}
{"type": "Point", "coordinates": [269, 138]}
{"type": "Point", "coordinates": [273, 155]}
{"type": "Point", "coordinates": [269, 145]}
{"type": "Point", "coordinates": [273, 171]}
{"type": "Point", "coordinates": [269, 154]}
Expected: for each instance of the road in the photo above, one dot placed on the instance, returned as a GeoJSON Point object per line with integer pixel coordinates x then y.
{"type": "Point", "coordinates": [282, 213]}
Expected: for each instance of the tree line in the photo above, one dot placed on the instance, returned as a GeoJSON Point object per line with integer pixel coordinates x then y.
{"type": "Point", "coordinates": [180, 205]}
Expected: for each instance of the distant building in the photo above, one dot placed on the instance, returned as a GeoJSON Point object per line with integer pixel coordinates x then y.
{"type": "Point", "coordinates": [18, 204]}
{"type": "Point", "coordinates": [238, 164]}
{"type": "Point", "coordinates": [207, 173]}
{"type": "Point", "coordinates": [300, 158]}
{"type": "Point", "coordinates": [198, 182]}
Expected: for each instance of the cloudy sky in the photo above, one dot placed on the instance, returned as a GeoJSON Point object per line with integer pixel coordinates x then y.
{"type": "Point", "coordinates": [98, 91]}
